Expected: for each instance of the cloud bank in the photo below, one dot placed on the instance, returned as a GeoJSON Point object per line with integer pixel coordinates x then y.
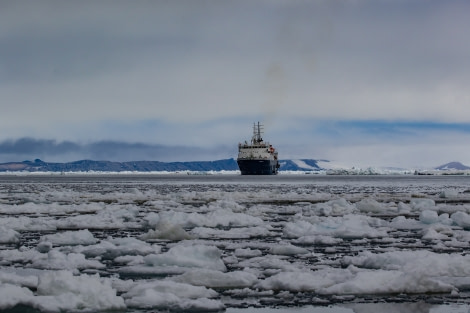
{"type": "Point", "coordinates": [328, 78]}
{"type": "Point", "coordinates": [53, 151]}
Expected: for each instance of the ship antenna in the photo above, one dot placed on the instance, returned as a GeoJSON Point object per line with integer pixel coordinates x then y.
{"type": "Point", "coordinates": [257, 131]}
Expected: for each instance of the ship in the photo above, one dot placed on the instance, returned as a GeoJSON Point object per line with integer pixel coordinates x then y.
{"type": "Point", "coordinates": [257, 157]}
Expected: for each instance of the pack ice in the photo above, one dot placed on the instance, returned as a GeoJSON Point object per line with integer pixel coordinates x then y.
{"type": "Point", "coordinates": [101, 243]}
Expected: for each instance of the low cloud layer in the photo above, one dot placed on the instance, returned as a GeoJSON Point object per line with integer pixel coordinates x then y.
{"type": "Point", "coordinates": [350, 143]}
{"type": "Point", "coordinates": [66, 151]}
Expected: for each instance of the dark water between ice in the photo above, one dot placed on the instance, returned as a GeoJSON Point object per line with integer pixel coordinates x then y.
{"type": "Point", "coordinates": [327, 183]}
{"type": "Point", "coordinates": [419, 307]}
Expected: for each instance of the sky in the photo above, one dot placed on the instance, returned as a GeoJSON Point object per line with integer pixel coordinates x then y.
{"type": "Point", "coordinates": [361, 83]}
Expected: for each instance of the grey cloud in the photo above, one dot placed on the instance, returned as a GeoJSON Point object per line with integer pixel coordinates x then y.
{"type": "Point", "coordinates": [31, 146]}
{"type": "Point", "coordinates": [78, 55]}
{"type": "Point", "coordinates": [83, 39]}
{"type": "Point", "coordinates": [51, 150]}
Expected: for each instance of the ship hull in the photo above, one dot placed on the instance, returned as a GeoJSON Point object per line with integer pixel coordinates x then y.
{"type": "Point", "coordinates": [258, 167]}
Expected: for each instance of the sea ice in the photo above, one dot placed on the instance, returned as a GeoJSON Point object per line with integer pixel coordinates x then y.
{"type": "Point", "coordinates": [247, 253]}
{"type": "Point", "coordinates": [217, 279]}
{"type": "Point", "coordinates": [111, 248]}
{"type": "Point", "coordinates": [80, 237]}
{"type": "Point", "coordinates": [60, 291]}
{"type": "Point", "coordinates": [166, 230]}
{"type": "Point", "coordinates": [421, 204]}
{"type": "Point", "coordinates": [8, 235]}
{"type": "Point", "coordinates": [199, 256]}
{"type": "Point", "coordinates": [24, 280]}
{"type": "Point", "coordinates": [57, 260]}
{"type": "Point", "coordinates": [305, 280]}
{"type": "Point", "coordinates": [450, 193]}
{"type": "Point", "coordinates": [172, 295]}
{"type": "Point", "coordinates": [387, 282]}
{"type": "Point", "coordinates": [461, 219]}
{"type": "Point", "coordinates": [179, 243]}
{"type": "Point", "coordinates": [348, 226]}
{"type": "Point", "coordinates": [13, 295]}
{"type": "Point", "coordinates": [428, 217]}
{"type": "Point", "coordinates": [369, 205]}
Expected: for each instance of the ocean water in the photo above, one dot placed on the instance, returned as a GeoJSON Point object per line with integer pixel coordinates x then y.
{"type": "Point", "coordinates": [304, 243]}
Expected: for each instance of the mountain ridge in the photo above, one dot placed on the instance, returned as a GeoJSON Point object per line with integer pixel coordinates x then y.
{"type": "Point", "coordinates": [145, 166]}
{"type": "Point", "coordinates": [197, 166]}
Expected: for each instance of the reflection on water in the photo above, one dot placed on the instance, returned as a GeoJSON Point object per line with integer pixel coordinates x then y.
{"type": "Point", "coordinates": [416, 307]}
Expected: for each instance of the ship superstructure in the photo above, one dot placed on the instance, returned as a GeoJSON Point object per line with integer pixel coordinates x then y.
{"type": "Point", "coordinates": [257, 157]}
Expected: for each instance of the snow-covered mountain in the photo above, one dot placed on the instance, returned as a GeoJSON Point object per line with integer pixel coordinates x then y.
{"type": "Point", "coordinates": [453, 166]}
{"type": "Point", "coordinates": [300, 165]}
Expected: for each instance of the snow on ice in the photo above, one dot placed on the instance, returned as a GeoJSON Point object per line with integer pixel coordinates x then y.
{"type": "Point", "coordinates": [207, 243]}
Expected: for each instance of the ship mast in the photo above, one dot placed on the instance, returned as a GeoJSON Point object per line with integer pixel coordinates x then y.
{"type": "Point", "coordinates": [257, 131]}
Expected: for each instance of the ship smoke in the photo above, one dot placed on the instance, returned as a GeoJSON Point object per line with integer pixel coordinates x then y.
{"type": "Point", "coordinates": [275, 86]}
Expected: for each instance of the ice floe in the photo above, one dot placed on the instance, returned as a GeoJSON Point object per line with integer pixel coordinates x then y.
{"type": "Point", "coordinates": [210, 244]}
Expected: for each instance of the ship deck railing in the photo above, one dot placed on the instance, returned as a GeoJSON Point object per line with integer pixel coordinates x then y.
{"type": "Point", "coordinates": [252, 146]}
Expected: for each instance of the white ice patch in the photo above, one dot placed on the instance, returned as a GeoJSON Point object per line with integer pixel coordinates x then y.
{"type": "Point", "coordinates": [334, 207]}
{"type": "Point", "coordinates": [425, 263]}
{"type": "Point", "coordinates": [461, 219]}
{"type": "Point", "coordinates": [421, 204]}
{"type": "Point", "coordinates": [25, 280]}
{"type": "Point", "coordinates": [173, 296]}
{"type": "Point", "coordinates": [217, 218]}
{"type": "Point", "coordinates": [349, 226]}
{"type": "Point", "coordinates": [450, 193]}
{"type": "Point", "coordinates": [403, 208]}
{"type": "Point", "coordinates": [428, 217]}
{"type": "Point", "coordinates": [431, 234]}
{"type": "Point", "coordinates": [388, 282]}
{"type": "Point", "coordinates": [61, 291]}
{"type": "Point", "coordinates": [419, 271]}
{"type": "Point", "coordinates": [198, 256]}
{"type": "Point", "coordinates": [112, 248]}
{"type": "Point", "coordinates": [247, 253]}
{"type": "Point", "coordinates": [56, 260]}
{"type": "Point", "coordinates": [12, 295]}
{"type": "Point", "coordinates": [110, 217]}
{"type": "Point", "coordinates": [216, 279]}
{"type": "Point", "coordinates": [354, 281]}
{"type": "Point", "coordinates": [368, 205]}
{"type": "Point", "coordinates": [401, 222]}
{"type": "Point", "coordinates": [271, 263]}
{"type": "Point", "coordinates": [305, 280]}
{"type": "Point", "coordinates": [80, 237]}
{"type": "Point", "coordinates": [9, 235]}
{"type": "Point", "coordinates": [168, 231]}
